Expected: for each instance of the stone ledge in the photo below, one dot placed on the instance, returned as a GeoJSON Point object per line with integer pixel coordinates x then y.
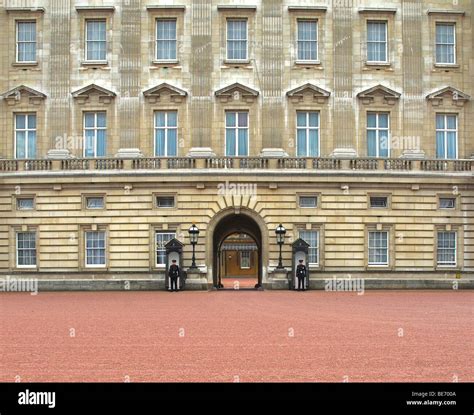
{"type": "Point", "coordinates": [201, 284]}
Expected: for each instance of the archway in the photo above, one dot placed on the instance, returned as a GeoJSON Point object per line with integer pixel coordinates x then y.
{"type": "Point", "coordinates": [231, 222]}
{"type": "Point", "coordinates": [238, 261]}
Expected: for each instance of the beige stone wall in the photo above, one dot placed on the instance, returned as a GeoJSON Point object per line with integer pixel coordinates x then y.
{"type": "Point", "coordinates": [272, 70]}
{"type": "Point", "coordinates": [342, 216]}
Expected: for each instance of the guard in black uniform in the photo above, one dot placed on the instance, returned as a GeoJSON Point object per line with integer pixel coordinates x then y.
{"type": "Point", "coordinates": [173, 274]}
{"type": "Point", "coordinates": [301, 274]}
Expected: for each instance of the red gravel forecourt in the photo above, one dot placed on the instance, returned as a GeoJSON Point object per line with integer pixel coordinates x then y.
{"type": "Point", "coordinates": [246, 336]}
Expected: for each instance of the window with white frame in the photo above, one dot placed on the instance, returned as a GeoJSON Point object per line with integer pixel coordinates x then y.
{"type": "Point", "coordinates": [166, 40]}
{"type": "Point", "coordinates": [307, 40]}
{"type": "Point", "coordinates": [377, 41]}
{"type": "Point", "coordinates": [445, 43]}
{"type": "Point", "coordinates": [307, 134]}
{"type": "Point", "coordinates": [378, 248]}
{"type": "Point", "coordinates": [26, 41]}
{"type": "Point", "coordinates": [161, 239]}
{"type": "Point", "coordinates": [447, 202]}
{"type": "Point", "coordinates": [95, 248]}
{"type": "Point", "coordinates": [95, 202]}
{"type": "Point", "coordinates": [237, 42]}
{"type": "Point", "coordinates": [446, 136]}
{"type": "Point", "coordinates": [380, 202]}
{"type": "Point", "coordinates": [446, 250]}
{"type": "Point", "coordinates": [308, 201]}
{"type": "Point", "coordinates": [245, 259]}
{"type": "Point", "coordinates": [166, 133]}
{"type": "Point", "coordinates": [26, 249]}
{"type": "Point", "coordinates": [165, 201]}
{"type": "Point", "coordinates": [96, 40]}
{"type": "Point", "coordinates": [25, 203]}
{"type": "Point", "coordinates": [25, 136]}
{"type": "Point", "coordinates": [378, 134]}
{"type": "Point", "coordinates": [95, 134]}
{"type": "Point", "coordinates": [312, 238]}
{"type": "Point", "coordinates": [236, 133]}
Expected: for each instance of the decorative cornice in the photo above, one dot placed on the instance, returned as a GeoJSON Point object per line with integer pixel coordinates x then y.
{"type": "Point", "coordinates": [391, 10]}
{"type": "Point", "coordinates": [389, 95]}
{"type": "Point", "coordinates": [319, 94]}
{"type": "Point", "coordinates": [83, 94]}
{"type": "Point", "coordinates": [14, 95]}
{"type": "Point", "coordinates": [25, 9]}
{"type": "Point", "coordinates": [178, 7]}
{"type": "Point", "coordinates": [458, 97]}
{"type": "Point", "coordinates": [154, 94]}
{"type": "Point", "coordinates": [235, 92]}
{"type": "Point", "coordinates": [307, 8]}
{"type": "Point", "coordinates": [95, 8]}
{"type": "Point", "coordinates": [231, 7]}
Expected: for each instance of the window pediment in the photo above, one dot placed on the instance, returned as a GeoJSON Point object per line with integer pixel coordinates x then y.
{"type": "Point", "coordinates": [14, 96]}
{"type": "Point", "coordinates": [237, 92]}
{"type": "Point", "coordinates": [457, 97]}
{"type": "Point", "coordinates": [309, 90]}
{"type": "Point", "coordinates": [380, 93]}
{"type": "Point", "coordinates": [156, 93]}
{"type": "Point", "coordinates": [104, 95]}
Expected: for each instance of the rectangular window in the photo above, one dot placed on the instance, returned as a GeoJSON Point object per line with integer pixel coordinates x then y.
{"type": "Point", "coordinates": [95, 248]}
{"type": "Point", "coordinates": [446, 254]}
{"type": "Point", "coordinates": [378, 248]}
{"type": "Point", "coordinates": [166, 39]}
{"type": "Point", "coordinates": [378, 201]}
{"type": "Point", "coordinates": [446, 136]}
{"type": "Point", "coordinates": [236, 133]}
{"type": "Point", "coordinates": [25, 203]}
{"type": "Point", "coordinates": [307, 134]}
{"type": "Point", "coordinates": [245, 259]}
{"type": "Point", "coordinates": [95, 134]}
{"type": "Point", "coordinates": [447, 202]}
{"type": "Point", "coordinates": [307, 40]}
{"type": "Point", "coordinates": [95, 202]}
{"type": "Point", "coordinates": [237, 39]}
{"type": "Point", "coordinates": [377, 41]}
{"type": "Point", "coordinates": [312, 238]}
{"type": "Point", "coordinates": [378, 134]}
{"type": "Point", "coordinates": [96, 40]}
{"type": "Point", "coordinates": [165, 201]}
{"type": "Point", "coordinates": [26, 249]}
{"type": "Point", "coordinates": [446, 43]}
{"type": "Point", "coordinates": [308, 201]}
{"type": "Point", "coordinates": [26, 41]}
{"type": "Point", "coordinates": [161, 239]}
{"type": "Point", "coordinates": [166, 133]}
{"type": "Point", "coordinates": [25, 136]}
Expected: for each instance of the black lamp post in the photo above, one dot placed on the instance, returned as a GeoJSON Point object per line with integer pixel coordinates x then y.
{"type": "Point", "coordinates": [193, 237]}
{"type": "Point", "coordinates": [280, 234]}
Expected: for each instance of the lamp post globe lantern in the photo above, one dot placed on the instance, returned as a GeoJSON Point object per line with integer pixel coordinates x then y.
{"type": "Point", "coordinates": [280, 232]}
{"type": "Point", "coordinates": [193, 237]}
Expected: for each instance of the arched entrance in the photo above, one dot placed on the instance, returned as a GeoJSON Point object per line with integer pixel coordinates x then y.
{"type": "Point", "coordinates": [229, 223]}
{"type": "Point", "coordinates": [238, 261]}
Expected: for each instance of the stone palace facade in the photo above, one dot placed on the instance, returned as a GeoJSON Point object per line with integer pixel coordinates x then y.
{"type": "Point", "coordinates": [349, 122]}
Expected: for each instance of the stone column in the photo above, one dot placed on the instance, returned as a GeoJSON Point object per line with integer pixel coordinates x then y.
{"type": "Point", "coordinates": [58, 103]}
{"type": "Point", "coordinates": [344, 99]}
{"type": "Point", "coordinates": [270, 74]}
{"type": "Point", "coordinates": [130, 71]}
{"type": "Point", "coordinates": [201, 101]}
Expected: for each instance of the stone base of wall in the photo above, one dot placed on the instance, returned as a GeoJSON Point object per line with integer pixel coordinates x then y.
{"type": "Point", "coordinates": [322, 282]}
